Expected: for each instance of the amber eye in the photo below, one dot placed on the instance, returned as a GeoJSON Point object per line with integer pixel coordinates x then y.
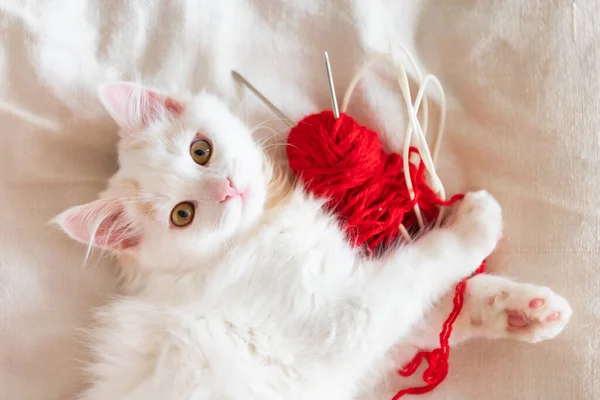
{"type": "Point", "coordinates": [182, 214]}
{"type": "Point", "coordinates": [200, 150]}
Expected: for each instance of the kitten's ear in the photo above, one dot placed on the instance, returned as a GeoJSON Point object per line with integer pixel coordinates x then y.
{"type": "Point", "coordinates": [101, 223]}
{"type": "Point", "coordinates": [134, 107]}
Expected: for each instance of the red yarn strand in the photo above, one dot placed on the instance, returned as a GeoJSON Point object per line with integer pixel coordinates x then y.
{"type": "Point", "coordinates": [437, 359]}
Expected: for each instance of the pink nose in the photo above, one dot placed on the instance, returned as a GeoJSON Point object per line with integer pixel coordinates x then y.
{"type": "Point", "coordinates": [226, 190]}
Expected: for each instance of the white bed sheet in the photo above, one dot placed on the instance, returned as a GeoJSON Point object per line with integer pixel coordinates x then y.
{"type": "Point", "coordinates": [524, 122]}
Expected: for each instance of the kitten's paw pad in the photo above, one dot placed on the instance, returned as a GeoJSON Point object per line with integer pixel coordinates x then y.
{"type": "Point", "coordinates": [479, 216]}
{"type": "Point", "coordinates": [531, 313]}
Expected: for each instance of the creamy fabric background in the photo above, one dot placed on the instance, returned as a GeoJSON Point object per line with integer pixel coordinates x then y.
{"type": "Point", "coordinates": [524, 122]}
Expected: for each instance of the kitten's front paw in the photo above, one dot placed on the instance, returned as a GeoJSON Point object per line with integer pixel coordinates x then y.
{"type": "Point", "coordinates": [479, 220]}
{"type": "Point", "coordinates": [528, 313]}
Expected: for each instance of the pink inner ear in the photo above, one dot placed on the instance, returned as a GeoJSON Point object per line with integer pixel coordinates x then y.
{"type": "Point", "coordinates": [175, 107]}
{"type": "Point", "coordinates": [105, 220]}
{"type": "Point", "coordinates": [113, 232]}
{"type": "Point", "coordinates": [134, 107]}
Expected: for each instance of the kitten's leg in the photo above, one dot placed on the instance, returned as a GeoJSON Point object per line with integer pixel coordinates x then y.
{"type": "Point", "coordinates": [496, 308]}
{"type": "Point", "coordinates": [410, 279]}
{"type": "Point", "coordinates": [457, 249]}
{"type": "Point", "coordinates": [429, 267]}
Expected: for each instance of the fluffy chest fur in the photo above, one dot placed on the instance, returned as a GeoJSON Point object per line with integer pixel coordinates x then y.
{"type": "Point", "coordinates": [262, 312]}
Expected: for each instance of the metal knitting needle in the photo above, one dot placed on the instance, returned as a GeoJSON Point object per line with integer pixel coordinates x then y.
{"type": "Point", "coordinates": [334, 104]}
{"type": "Point", "coordinates": [262, 98]}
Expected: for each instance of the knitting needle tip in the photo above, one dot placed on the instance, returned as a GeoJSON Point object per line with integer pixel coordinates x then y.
{"type": "Point", "coordinates": [336, 110]}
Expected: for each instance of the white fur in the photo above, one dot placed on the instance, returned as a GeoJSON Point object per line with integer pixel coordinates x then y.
{"type": "Point", "coordinates": [262, 297]}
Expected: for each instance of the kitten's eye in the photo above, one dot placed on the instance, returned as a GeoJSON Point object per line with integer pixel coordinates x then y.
{"type": "Point", "coordinates": [200, 150]}
{"type": "Point", "coordinates": [182, 214]}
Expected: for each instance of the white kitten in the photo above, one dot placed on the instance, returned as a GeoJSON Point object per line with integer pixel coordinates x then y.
{"type": "Point", "coordinates": [238, 286]}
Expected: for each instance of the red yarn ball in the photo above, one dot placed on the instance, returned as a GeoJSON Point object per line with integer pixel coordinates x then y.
{"type": "Point", "coordinates": [345, 162]}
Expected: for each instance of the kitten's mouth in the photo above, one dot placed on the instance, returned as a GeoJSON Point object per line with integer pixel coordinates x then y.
{"type": "Point", "coordinates": [243, 195]}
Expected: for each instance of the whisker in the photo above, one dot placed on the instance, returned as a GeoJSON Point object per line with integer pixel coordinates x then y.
{"type": "Point", "coordinates": [277, 145]}
{"type": "Point", "coordinates": [262, 124]}
{"type": "Point", "coordinates": [274, 133]}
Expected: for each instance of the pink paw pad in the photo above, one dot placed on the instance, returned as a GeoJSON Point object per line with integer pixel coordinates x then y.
{"type": "Point", "coordinates": [553, 316]}
{"type": "Point", "coordinates": [526, 312]}
{"type": "Point", "coordinates": [536, 303]}
{"type": "Point", "coordinates": [516, 320]}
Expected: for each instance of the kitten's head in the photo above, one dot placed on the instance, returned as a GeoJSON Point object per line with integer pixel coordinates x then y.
{"type": "Point", "coordinates": [190, 176]}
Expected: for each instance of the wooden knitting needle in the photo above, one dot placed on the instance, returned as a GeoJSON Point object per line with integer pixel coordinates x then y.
{"type": "Point", "coordinates": [262, 98]}
{"type": "Point", "coordinates": [334, 104]}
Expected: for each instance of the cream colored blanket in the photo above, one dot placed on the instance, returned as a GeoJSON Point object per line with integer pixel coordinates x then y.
{"type": "Point", "coordinates": [522, 80]}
